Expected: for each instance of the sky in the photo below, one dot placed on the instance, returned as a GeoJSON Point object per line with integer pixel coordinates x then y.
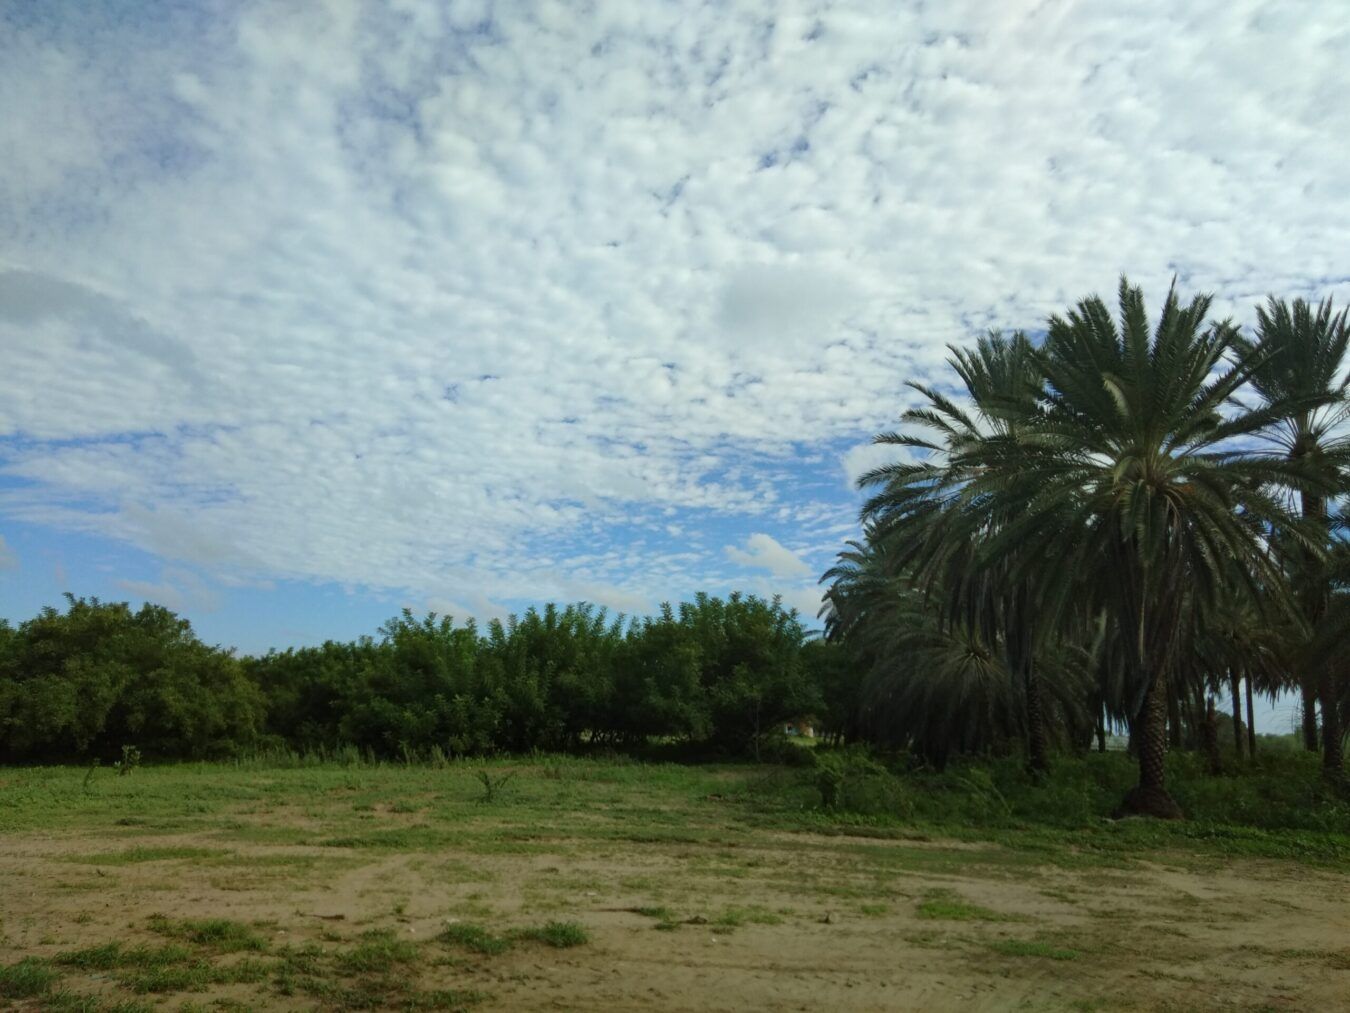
{"type": "Point", "coordinates": [313, 311]}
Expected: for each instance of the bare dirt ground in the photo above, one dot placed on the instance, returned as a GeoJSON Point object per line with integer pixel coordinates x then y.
{"type": "Point", "coordinates": [777, 921]}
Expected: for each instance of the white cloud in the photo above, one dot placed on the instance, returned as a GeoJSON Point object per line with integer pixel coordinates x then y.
{"type": "Point", "coordinates": [858, 460]}
{"type": "Point", "coordinates": [178, 590]}
{"type": "Point", "coordinates": [439, 300]}
{"type": "Point", "coordinates": [8, 560]}
{"type": "Point", "coordinates": [806, 600]}
{"type": "Point", "coordinates": [763, 552]}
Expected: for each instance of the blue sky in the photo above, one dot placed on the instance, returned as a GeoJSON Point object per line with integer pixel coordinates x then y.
{"type": "Point", "coordinates": [313, 311]}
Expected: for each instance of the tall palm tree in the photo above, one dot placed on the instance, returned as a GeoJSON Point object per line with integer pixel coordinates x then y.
{"type": "Point", "coordinates": [1301, 362]}
{"type": "Point", "coordinates": [909, 511]}
{"type": "Point", "coordinates": [1123, 478]}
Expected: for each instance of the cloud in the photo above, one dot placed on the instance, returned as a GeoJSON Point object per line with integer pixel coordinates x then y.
{"type": "Point", "coordinates": [469, 300]}
{"type": "Point", "coordinates": [178, 590]}
{"type": "Point", "coordinates": [858, 460]}
{"type": "Point", "coordinates": [8, 560]}
{"type": "Point", "coordinates": [479, 608]}
{"type": "Point", "coordinates": [765, 553]}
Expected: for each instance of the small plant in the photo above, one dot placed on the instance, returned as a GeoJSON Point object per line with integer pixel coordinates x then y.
{"type": "Point", "coordinates": [131, 759]}
{"type": "Point", "coordinates": [492, 787]}
{"type": "Point", "coordinates": [89, 776]}
{"type": "Point", "coordinates": [561, 935]}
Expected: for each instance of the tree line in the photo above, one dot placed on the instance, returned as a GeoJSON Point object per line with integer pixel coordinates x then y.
{"type": "Point", "coordinates": [1108, 528]}
{"type": "Point", "coordinates": [715, 674]}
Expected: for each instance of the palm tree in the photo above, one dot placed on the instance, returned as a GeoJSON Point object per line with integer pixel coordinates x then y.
{"type": "Point", "coordinates": [910, 507]}
{"type": "Point", "coordinates": [1300, 355]}
{"type": "Point", "coordinates": [1123, 479]}
{"type": "Point", "coordinates": [931, 684]}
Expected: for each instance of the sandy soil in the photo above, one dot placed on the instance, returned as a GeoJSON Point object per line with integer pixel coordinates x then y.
{"type": "Point", "coordinates": [847, 931]}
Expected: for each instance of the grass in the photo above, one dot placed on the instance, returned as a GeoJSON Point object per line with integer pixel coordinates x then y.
{"type": "Point", "coordinates": [945, 905]}
{"type": "Point", "coordinates": [475, 938]}
{"type": "Point", "coordinates": [132, 856]}
{"type": "Point", "coordinates": [559, 935]}
{"type": "Point", "coordinates": [734, 842]}
{"type": "Point", "coordinates": [28, 978]}
{"type": "Point", "coordinates": [378, 952]}
{"type": "Point", "coordinates": [735, 917]}
{"type": "Point", "coordinates": [112, 956]}
{"type": "Point", "coordinates": [220, 934]}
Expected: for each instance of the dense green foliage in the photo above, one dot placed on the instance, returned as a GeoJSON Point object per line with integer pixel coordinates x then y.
{"type": "Point", "coordinates": [1107, 530]}
{"type": "Point", "coordinates": [88, 681]}
{"type": "Point", "coordinates": [717, 674]}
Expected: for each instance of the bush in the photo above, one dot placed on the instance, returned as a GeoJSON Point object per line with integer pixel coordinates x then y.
{"type": "Point", "coordinates": [852, 781]}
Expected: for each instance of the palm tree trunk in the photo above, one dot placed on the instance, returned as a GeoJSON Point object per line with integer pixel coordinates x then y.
{"type": "Point", "coordinates": [1037, 746]}
{"type": "Point", "coordinates": [1333, 762]}
{"type": "Point", "coordinates": [1209, 734]}
{"type": "Point", "coordinates": [1173, 717]}
{"type": "Point", "coordinates": [1237, 711]}
{"type": "Point", "coordinates": [1149, 797]}
{"type": "Point", "coordinates": [1308, 688]}
{"type": "Point", "coordinates": [1251, 721]}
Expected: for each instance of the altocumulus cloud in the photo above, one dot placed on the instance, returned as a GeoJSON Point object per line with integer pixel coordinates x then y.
{"type": "Point", "coordinates": [764, 552]}
{"type": "Point", "coordinates": [524, 300]}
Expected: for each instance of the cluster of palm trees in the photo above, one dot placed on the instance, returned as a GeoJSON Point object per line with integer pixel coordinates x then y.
{"type": "Point", "coordinates": [1104, 529]}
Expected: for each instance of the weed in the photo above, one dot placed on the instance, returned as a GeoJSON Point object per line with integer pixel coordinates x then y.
{"type": "Point", "coordinates": [492, 787]}
{"type": "Point", "coordinates": [560, 935]}
{"type": "Point", "coordinates": [29, 977]}
{"type": "Point", "coordinates": [131, 759]}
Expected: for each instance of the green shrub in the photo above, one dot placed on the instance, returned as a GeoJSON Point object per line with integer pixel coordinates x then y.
{"type": "Point", "coordinates": [852, 781]}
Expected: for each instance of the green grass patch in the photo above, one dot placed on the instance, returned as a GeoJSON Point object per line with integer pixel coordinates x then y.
{"type": "Point", "coordinates": [66, 1001]}
{"type": "Point", "coordinates": [946, 905]}
{"type": "Point", "coordinates": [378, 952]}
{"type": "Point", "coordinates": [219, 934]}
{"type": "Point", "coordinates": [133, 856]}
{"type": "Point", "coordinates": [560, 935]}
{"type": "Point", "coordinates": [28, 978]}
{"type": "Point", "coordinates": [475, 938]}
{"type": "Point", "coordinates": [111, 956]}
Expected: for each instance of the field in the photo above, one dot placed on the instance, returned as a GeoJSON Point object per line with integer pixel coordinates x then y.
{"type": "Point", "coordinates": [564, 883]}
